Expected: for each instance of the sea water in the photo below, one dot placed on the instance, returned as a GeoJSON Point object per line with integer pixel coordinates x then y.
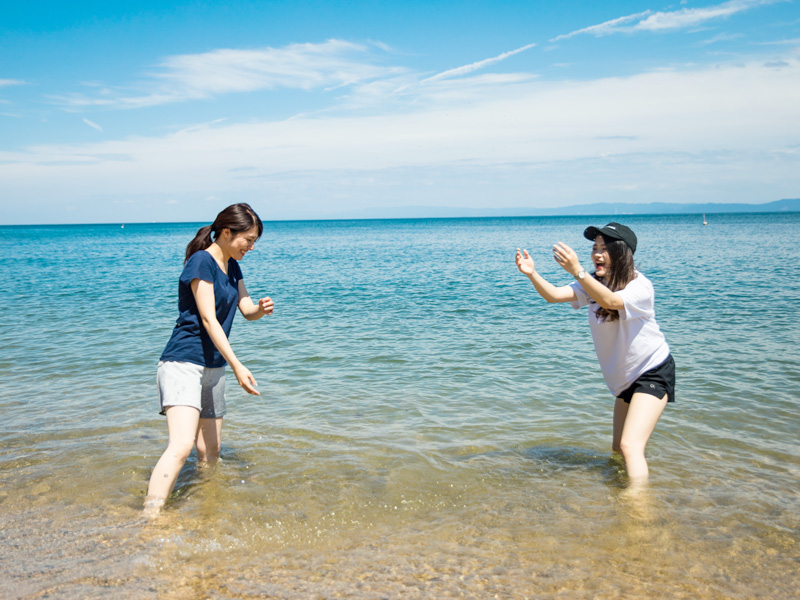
{"type": "Point", "coordinates": [427, 426]}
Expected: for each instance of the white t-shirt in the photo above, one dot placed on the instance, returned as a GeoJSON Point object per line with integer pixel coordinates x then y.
{"type": "Point", "coordinates": [631, 346]}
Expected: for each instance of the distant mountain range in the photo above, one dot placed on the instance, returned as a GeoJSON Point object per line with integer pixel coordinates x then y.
{"type": "Point", "coordinates": [601, 208]}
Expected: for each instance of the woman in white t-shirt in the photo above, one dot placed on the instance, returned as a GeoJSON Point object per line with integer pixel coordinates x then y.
{"type": "Point", "coordinates": [634, 356]}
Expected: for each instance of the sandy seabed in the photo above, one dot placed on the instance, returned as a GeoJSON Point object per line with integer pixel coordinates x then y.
{"type": "Point", "coordinates": [459, 544]}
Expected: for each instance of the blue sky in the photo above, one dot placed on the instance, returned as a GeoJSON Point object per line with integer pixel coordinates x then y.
{"type": "Point", "coordinates": [168, 111]}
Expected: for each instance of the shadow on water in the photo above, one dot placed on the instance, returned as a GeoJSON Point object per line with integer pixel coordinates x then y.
{"type": "Point", "coordinates": [555, 460]}
{"type": "Point", "coordinates": [195, 475]}
{"type": "Point", "coordinates": [192, 477]}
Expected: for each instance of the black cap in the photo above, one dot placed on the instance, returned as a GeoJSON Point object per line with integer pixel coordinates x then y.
{"type": "Point", "coordinates": [613, 231]}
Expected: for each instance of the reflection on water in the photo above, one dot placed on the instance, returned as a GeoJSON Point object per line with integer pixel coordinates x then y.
{"type": "Point", "coordinates": [426, 430]}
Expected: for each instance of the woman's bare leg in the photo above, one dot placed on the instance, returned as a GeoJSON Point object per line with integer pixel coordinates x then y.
{"type": "Point", "coordinates": [640, 422]}
{"type": "Point", "coordinates": [620, 412]}
{"type": "Point", "coordinates": [182, 423]}
{"type": "Point", "coordinates": [209, 440]}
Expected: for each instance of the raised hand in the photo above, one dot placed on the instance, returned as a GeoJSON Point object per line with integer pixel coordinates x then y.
{"type": "Point", "coordinates": [525, 262]}
{"type": "Point", "coordinates": [567, 258]}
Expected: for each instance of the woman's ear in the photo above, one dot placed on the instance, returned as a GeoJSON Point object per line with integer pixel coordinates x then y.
{"type": "Point", "coordinates": [225, 234]}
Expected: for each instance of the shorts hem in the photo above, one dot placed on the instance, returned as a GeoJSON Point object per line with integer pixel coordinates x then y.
{"type": "Point", "coordinates": [189, 384]}
{"type": "Point", "coordinates": [657, 382]}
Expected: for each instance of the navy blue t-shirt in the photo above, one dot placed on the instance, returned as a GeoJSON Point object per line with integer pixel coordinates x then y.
{"type": "Point", "coordinates": [190, 341]}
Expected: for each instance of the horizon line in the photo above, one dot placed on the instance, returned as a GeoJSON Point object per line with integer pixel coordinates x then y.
{"type": "Point", "coordinates": [422, 218]}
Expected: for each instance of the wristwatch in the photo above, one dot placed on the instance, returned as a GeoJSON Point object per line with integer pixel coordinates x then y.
{"type": "Point", "coordinates": [581, 273]}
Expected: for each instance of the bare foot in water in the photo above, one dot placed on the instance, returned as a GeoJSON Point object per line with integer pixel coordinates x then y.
{"type": "Point", "coordinates": [638, 499]}
{"type": "Point", "coordinates": [152, 507]}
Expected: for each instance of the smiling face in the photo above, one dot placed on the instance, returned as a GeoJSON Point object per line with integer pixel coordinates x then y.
{"type": "Point", "coordinates": [241, 243]}
{"type": "Point", "coordinates": [600, 257]}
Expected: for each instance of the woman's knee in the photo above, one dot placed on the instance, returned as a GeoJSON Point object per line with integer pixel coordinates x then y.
{"type": "Point", "coordinates": [630, 447]}
{"type": "Point", "coordinates": [180, 449]}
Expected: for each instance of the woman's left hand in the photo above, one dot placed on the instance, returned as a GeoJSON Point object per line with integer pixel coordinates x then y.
{"type": "Point", "coordinates": [246, 379]}
{"type": "Point", "coordinates": [266, 305]}
{"type": "Point", "coordinates": [567, 258]}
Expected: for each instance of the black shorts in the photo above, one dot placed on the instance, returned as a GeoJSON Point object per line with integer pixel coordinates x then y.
{"type": "Point", "coordinates": [656, 382]}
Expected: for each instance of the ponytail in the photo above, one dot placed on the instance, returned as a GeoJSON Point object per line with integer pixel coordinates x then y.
{"type": "Point", "coordinates": [201, 241]}
{"type": "Point", "coordinates": [237, 217]}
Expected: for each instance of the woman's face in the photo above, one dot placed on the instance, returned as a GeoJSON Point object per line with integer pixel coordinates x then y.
{"type": "Point", "coordinates": [600, 257]}
{"type": "Point", "coordinates": [243, 242]}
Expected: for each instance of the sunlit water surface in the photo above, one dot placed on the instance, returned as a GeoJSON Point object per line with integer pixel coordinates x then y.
{"type": "Point", "coordinates": [428, 427]}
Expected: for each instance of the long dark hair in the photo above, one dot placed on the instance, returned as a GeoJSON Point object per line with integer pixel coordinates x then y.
{"type": "Point", "coordinates": [619, 275]}
{"type": "Point", "coordinates": [237, 217]}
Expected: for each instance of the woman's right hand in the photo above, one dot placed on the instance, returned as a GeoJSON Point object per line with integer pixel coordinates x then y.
{"type": "Point", "coordinates": [525, 262]}
{"type": "Point", "coordinates": [246, 379]}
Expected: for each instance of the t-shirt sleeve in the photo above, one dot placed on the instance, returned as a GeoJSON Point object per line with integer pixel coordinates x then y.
{"type": "Point", "coordinates": [199, 266]}
{"type": "Point", "coordinates": [638, 299]}
{"type": "Point", "coordinates": [582, 297]}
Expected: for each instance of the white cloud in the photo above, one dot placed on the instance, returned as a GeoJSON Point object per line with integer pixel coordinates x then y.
{"type": "Point", "coordinates": [328, 65]}
{"type": "Point", "coordinates": [739, 111]}
{"type": "Point", "coordinates": [789, 42]}
{"type": "Point", "coordinates": [692, 17]}
{"type": "Point", "coordinates": [721, 37]}
{"type": "Point", "coordinates": [477, 65]}
{"type": "Point", "coordinates": [684, 18]}
{"type": "Point", "coordinates": [606, 28]}
{"type": "Point", "coordinates": [9, 82]}
{"type": "Point", "coordinates": [93, 125]}
{"type": "Point", "coordinates": [201, 126]}
{"type": "Point", "coordinates": [332, 65]}
{"type": "Point", "coordinates": [303, 66]}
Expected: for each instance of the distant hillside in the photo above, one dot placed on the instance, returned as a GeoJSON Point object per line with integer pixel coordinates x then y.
{"type": "Point", "coordinates": [602, 208]}
{"type": "Point", "coordinates": [667, 208]}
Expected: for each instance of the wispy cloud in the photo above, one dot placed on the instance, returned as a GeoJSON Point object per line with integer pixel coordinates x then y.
{"type": "Point", "coordinates": [722, 37]}
{"type": "Point", "coordinates": [789, 42]}
{"type": "Point", "coordinates": [303, 66]}
{"type": "Point", "coordinates": [312, 67]}
{"type": "Point", "coordinates": [331, 64]}
{"type": "Point", "coordinates": [9, 83]}
{"type": "Point", "coordinates": [684, 18]}
{"type": "Point", "coordinates": [659, 111]}
{"type": "Point", "coordinates": [201, 126]}
{"type": "Point", "coordinates": [476, 65]}
{"type": "Point", "coordinates": [409, 87]}
{"type": "Point", "coordinates": [93, 125]}
{"type": "Point", "coordinates": [606, 28]}
{"type": "Point", "coordinates": [692, 17]}
{"type": "Point", "coordinates": [653, 129]}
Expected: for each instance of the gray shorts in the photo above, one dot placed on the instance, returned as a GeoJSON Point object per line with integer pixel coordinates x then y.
{"type": "Point", "coordinates": [188, 384]}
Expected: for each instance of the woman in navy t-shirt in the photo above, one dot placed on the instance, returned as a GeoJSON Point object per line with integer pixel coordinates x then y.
{"type": "Point", "coordinates": [191, 372]}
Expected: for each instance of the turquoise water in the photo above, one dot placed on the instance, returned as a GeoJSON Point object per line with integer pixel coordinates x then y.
{"type": "Point", "coordinates": [428, 426]}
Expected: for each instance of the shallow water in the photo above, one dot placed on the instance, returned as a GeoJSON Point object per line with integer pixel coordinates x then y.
{"type": "Point", "coordinates": [428, 427]}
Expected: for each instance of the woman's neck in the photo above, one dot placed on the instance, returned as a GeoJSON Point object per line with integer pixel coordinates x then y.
{"type": "Point", "coordinates": [219, 254]}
